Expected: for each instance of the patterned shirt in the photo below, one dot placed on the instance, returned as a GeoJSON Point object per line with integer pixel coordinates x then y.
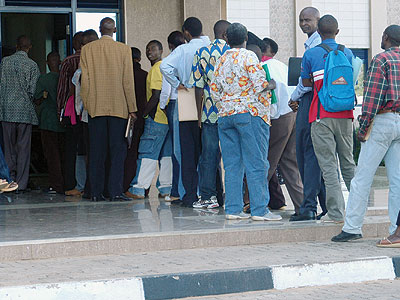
{"type": "Point", "coordinates": [18, 77]}
{"type": "Point", "coordinates": [67, 70]}
{"type": "Point", "coordinates": [202, 74]}
{"type": "Point", "coordinates": [239, 85]}
{"type": "Point", "coordinates": [381, 87]}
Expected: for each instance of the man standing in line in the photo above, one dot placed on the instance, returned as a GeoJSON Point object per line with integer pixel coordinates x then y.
{"type": "Point", "coordinates": [168, 104]}
{"type": "Point", "coordinates": [380, 108]}
{"type": "Point", "coordinates": [177, 68]}
{"type": "Point", "coordinates": [18, 77]}
{"type": "Point", "coordinates": [72, 131]}
{"type": "Point", "coordinates": [201, 76]}
{"type": "Point", "coordinates": [331, 132]}
{"type": "Point", "coordinates": [313, 185]}
{"type": "Point", "coordinates": [51, 131]}
{"type": "Point", "coordinates": [108, 94]}
{"type": "Point", "coordinates": [155, 144]}
{"type": "Point", "coordinates": [282, 141]}
{"type": "Point", "coordinates": [140, 76]}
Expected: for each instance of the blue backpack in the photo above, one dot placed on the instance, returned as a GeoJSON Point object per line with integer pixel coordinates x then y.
{"type": "Point", "coordinates": [337, 93]}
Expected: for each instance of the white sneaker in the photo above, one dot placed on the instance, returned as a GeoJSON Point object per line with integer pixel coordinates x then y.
{"type": "Point", "coordinates": [269, 216]}
{"type": "Point", "coordinates": [200, 204]}
{"type": "Point", "coordinates": [240, 216]}
{"type": "Point", "coordinates": [213, 202]}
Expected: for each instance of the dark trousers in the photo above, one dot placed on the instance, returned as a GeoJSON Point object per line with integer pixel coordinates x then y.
{"type": "Point", "coordinates": [85, 134]}
{"type": "Point", "coordinates": [132, 157]}
{"type": "Point", "coordinates": [107, 134]}
{"type": "Point", "coordinates": [313, 184]}
{"type": "Point", "coordinates": [172, 105]}
{"type": "Point", "coordinates": [189, 134]}
{"type": "Point", "coordinates": [17, 151]}
{"type": "Point", "coordinates": [52, 143]}
{"type": "Point", "coordinates": [398, 220]}
{"type": "Point", "coordinates": [277, 199]}
{"type": "Point", "coordinates": [4, 171]}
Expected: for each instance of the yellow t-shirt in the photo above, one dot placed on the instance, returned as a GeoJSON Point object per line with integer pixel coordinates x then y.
{"type": "Point", "coordinates": [154, 82]}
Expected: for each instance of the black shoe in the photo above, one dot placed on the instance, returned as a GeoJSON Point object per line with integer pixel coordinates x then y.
{"type": "Point", "coordinates": [310, 215]}
{"type": "Point", "coordinates": [98, 198]}
{"type": "Point", "coordinates": [121, 197]}
{"type": "Point", "coordinates": [86, 196]}
{"type": "Point", "coordinates": [321, 215]}
{"type": "Point", "coordinates": [176, 202]}
{"type": "Point", "coordinates": [345, 237]}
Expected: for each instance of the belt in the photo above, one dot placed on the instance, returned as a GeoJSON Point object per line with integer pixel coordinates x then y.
{"type": "Point", "coordinates": [388, 111]}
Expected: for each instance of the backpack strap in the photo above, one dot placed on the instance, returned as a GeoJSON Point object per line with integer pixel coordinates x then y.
{"type": "Point", "coordinates": [325, 47]}
{"type": "Point", "coordinates": [340, 47]}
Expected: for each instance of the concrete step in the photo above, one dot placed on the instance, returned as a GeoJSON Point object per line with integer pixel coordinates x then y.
{"type": "Point", "coordinates": [232, 233]}
{"type": "Point", "coordinates": [199, 272]}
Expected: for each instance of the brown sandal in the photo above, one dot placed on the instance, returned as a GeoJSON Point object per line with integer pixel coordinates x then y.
{"type": "Point", "coordinates": [386, 243]}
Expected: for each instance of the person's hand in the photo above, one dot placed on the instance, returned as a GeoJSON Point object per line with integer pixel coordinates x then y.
{"type": "Point", "coordinates": [45, 94]}
{"type": "Point", "coordinates": [182, 87]}
{"type": "Point", "coordinates": [361, 137]}
{"type": "Point", "coordinates": [271, 85]}
{"type": "Point", "coordinates": [133, 116]}
{"type": "Point", "coordinates": [294, 105]}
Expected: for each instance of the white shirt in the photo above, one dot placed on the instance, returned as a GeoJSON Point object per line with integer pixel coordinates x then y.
{"type": "Point", "coordinates": [78, 100]}
{"type": "Point", "coordinates": [279, 72]}
{"type": "Point", "coordinates": [167, 92]}
{"type": "Point", "coordinates": [177, 67]}
{"type": "Point", "coordinates": [312, 41]}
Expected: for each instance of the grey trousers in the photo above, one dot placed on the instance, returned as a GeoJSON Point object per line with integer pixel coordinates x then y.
{"type": "Point", "coordinates": [17, 151]}
{"type": "Point", "coordinates": [282, 150]}
{"type": "Point", "coordinates": [332, 139]}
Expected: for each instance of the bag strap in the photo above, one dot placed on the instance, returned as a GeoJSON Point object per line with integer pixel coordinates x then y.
{"type": "Point", "coordinates": [325, 47]}
{"type": "Point", "coordinates": [341, 47]}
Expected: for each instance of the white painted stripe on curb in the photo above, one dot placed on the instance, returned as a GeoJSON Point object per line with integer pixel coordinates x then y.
{"type": "Point", "coordinates": [332, 273]}
{"type": "Point", "coordinates": [130, 289]}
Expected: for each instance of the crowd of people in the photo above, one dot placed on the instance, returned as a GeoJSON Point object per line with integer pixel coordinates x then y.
{"type": "Point", "coordinates": [227, 98]}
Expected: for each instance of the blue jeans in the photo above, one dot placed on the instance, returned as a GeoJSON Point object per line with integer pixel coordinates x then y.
{"type": "Point", "coordinates": [244, 145]}
{"type": "Point", "coordinates": [383, 143]}
{"type": "Point", "coordinates": [4, 171]}
{"type": "Point", "coordinates": [311, 175]}
{"type": "Point", "coordinates": [173, 125]}
{"type": "Point", "coordinates": [155, 147]}
{"type": "Point", "coordinates": [209, 160]}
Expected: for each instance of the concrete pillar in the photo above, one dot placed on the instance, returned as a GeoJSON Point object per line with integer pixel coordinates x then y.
{"type": "Point", "coordinates": [378, 23]}
{"type": "Point", "coordinates": [208, 11]}
{"type": "Point", "coordinates": [300, 36]}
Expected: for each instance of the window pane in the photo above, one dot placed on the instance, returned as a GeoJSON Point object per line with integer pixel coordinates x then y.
{"type": "Point", "coordinates": [85, 21]}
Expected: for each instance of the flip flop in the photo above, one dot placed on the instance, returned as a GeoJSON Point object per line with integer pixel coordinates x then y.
{"type": "Point", "coordinates": [389, 245]}
{"type": "Point", "coordinates": [12, 186]}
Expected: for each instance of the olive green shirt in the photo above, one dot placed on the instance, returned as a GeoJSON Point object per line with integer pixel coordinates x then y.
{"type": "Point", "coordinates": [47, 112]}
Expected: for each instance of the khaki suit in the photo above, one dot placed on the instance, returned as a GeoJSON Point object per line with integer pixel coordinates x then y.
{"type": "Point", "coordinates": [108, 94]}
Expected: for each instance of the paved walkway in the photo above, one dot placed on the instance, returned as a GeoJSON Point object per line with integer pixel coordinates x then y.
{"type": "Point", "coordinates": [382, 290]}
{"type": "Point", "coordinates": [177, 261]}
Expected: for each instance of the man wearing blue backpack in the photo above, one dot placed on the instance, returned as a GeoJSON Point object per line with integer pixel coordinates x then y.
{"type": "Point", "coordinates": [328, 69]}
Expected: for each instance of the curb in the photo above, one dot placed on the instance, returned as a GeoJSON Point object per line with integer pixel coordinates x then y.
{"type": "Point", "coordinates": [196, 284]}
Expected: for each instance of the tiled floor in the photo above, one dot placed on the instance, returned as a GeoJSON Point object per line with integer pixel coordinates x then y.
{"type": "Point", "coordinates": [34, 215]}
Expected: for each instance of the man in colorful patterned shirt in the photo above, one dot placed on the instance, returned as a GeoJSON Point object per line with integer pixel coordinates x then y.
{"type": "Point", "coordinates": [18, 77]}
{"type": "Point", "coordinates": [240, 90]}
{"type": "Point", "coordinates": [381, 108]}
{"type": "Point", "coordinates": [201, 76]}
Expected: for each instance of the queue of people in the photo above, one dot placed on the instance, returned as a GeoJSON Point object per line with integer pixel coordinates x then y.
{"type": "Point", "coordinates": [242, 110]}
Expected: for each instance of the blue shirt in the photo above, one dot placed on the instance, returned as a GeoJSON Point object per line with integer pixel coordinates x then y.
{"type": "Point", "coordinates": [312, 41]}
{"type": "Point", "coordinates": [314, 59]}
{"type": "Point", "coordinates": [177, 66]}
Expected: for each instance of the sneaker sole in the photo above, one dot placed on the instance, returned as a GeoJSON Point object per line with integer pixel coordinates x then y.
{"type": "Point", "coordinates": [256, 218]}
{"type": "Point", "coordinates": [233, 217]}
{"type": "Point", "coordinates": [212, 206]}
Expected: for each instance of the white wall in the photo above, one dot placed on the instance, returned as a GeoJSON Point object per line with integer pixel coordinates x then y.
{"type": "Point", "coordinates": [254, 14]}
{"type": "Point", "coordinates": [353, 18]}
